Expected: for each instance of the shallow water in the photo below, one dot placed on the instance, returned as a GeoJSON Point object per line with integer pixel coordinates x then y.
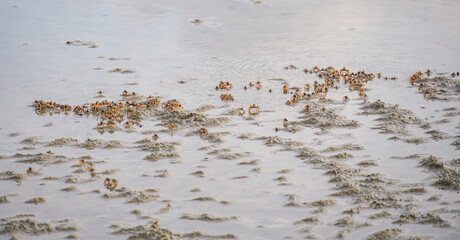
{"type": "Point", "coordinates": [240, 42]}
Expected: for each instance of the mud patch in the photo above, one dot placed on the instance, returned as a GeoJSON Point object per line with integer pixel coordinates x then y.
{"type": "Point", "coordinates": [145, 232]}
{"type": "Point", "coordinates": [253, 162]}
{"type": "Point", "coordinates": [62, 142]}
{"type": "Point", "coordinates": [367, 163]}
{"type": "Point", "coordinates": [434, 198]}
{"type": "Point", "coordinates": [205, 108]}
{"type": "Point", "coordinates": [77, 179]}
{"type": "Point", "coordinates": [163, 174]}
{"type": "Point", "coordinates": [344, 155]}
{"type": "Point", "coordinates": [204, 199]}
{"type": "Point", "coordinates": [37, 200]}
{"type": "Point", "coordinates": [118, 58]}
{"type": "Point", "coordinates": [151, 145]}
{"type": "Point", "coordinates": [186, 118]}
{"type": "Point", "coordinates": [14, 134]}
{"type": "Point", "coordinates": [274, 140]}
{"type": "Point", "coordinates": [239, 177]}
{"type": "Point", "coordinates": [456, 143]}
{"type": "Point", "coordinates": [432, 162]}
{"type": "Point", "coordinates": [348, 146]}
{"type": "Point", "coordinates": [386, 234]}
{"type": "Point", "coordinates": [310, 155]}
{"type": "Point", "coordinates": [208, 218]}
{"type": "Point", "coordinates": [155, 233]}
{"type": "Point", "coordinates": [285, 171]}
{"type": "Point", "coordinates": [341, 173]}
{"type": "Point", "coordinates": [198, 173]}
{"type": "Point", "coordinates": [208, 22]}
{"type": "Point", "coordinates": [45, 159]}
{"type": "Point", "coordinates": [31, 140]}
{"type": "Point", "coordinates": [382, 214]}
{"type": "Point", "coordinates": [215, 137]}
{"type": "Point", "coordinates": [447, 175]}
{"type": "Point", "coordinates": [200, 235]}
{"type": "Point", "coordinates": [80, 43]}
{"type": "Point", "coordinates": [324, 119]}
{"type": "Point", "coordinates": [121, 70]}
{"type": "Point", "coordinates": [323, 203]}
{"type": "Point", "coordinates": [420, 190]}
{"type": "Point", "coordinates": [226, 154]}
{"type": "Point", "coordinates": [50, 124]}
{"type": "Point", "coordinates": [309, 220]}
{"type": "Point", "coordinates": [448, 179]}
{"type": "Point", "coordinates": [70, 189]}
{"type": "Point", "coordinates": [437, 135]}
{"type": "Point", "coordinates": [25, 224]}
{"type": "Point", "coordinates": [441, 88]}
{"type": "Point", "coordinates": [114, 144]}
{"type": "Point", "coordinates": [346, 221]}
{"type": "Point", "coordinates": [160, 155]}
{"type": "Point", "coordinates": [12, 175]}
{"type": "Point", "coordinates": [245, 136]}
{"type": "Point", "coordinates": [393, 119]}
{"type": "Point", "coordinates": [92, 143]}
{"type": "Point", "coordinates": [4, 199]}
{"type": "Point", "coordinates": [412, 156]}
{"type": "Point", "coordinates": [131, 195]}
{"type": "Point", "coordinates": [432, 218]}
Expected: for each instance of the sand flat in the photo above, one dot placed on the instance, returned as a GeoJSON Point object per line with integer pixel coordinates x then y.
{"type": "Point", "coordinates": [377, 166]}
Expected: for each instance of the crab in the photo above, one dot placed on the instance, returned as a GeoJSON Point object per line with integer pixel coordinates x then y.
{"type": "Point", "coordinates": [253, 109]}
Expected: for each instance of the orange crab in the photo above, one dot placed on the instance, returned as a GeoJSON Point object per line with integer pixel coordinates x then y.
{"type": "Point", "coordinates": [344, 71]}
{"type": "Point", "coordinates": [241, 111]}
{"type": "Point", "coordinates": [253, 109]}
{"type": "Point", "coordinates": [203, 132]}
{"type": "Point", "coordinates": [155, 137]}
{"type": "Point", "coordinates": [110, 184]}
{"type": "Point", "coordinates": [258, 85]}
{"type": "Point", "coordinates": [226, 97]}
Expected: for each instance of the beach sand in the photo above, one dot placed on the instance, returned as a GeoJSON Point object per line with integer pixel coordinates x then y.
{"type": "Point", "coordinates": [383, 165]}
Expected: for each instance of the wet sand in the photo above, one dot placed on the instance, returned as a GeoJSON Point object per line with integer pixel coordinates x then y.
{"type": "Point", "coordinates": [140, 134]}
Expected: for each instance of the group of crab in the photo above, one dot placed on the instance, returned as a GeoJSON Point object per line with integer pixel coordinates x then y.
{"type": "Point", "coordinates": [356, 81]}
{"type": "Point", "coordinates": [252, 110]}
{"type": "Point", "coordinates": [128, 113]}
{"type": "Point", "coordinates": [172, 105]}
{"type": "Point", "coordinates": [88, 166]}
{"type": "Point", "coordinates": [42, 107]}
{"type": "Point", "coordinates": [424, 87]}
{"type": "Point", "coordinates": [258, 85]}
{"type": "Point", "coordinates": [110, 183]}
